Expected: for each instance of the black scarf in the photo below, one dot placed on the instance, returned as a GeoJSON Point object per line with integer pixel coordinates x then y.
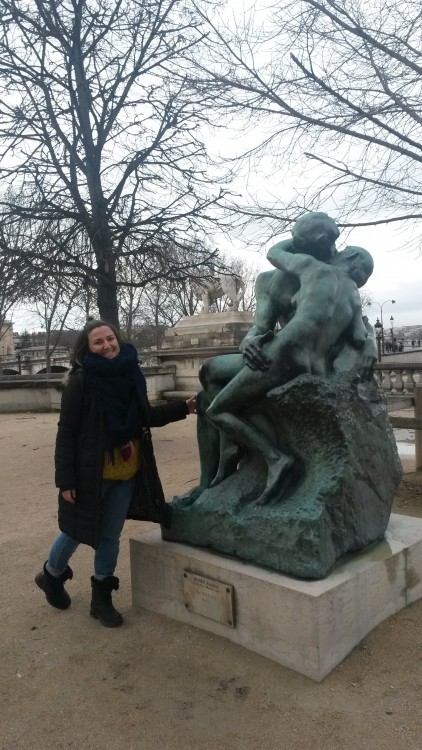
{"type": "Point", "coordinates": [119, 388]}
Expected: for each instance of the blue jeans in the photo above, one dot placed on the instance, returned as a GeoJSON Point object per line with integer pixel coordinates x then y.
{"type": "Point", "coordinates": [115, 501]}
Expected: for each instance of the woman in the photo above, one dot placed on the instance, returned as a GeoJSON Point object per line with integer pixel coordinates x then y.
{"type": "Point", "coordinates": [105, 466]}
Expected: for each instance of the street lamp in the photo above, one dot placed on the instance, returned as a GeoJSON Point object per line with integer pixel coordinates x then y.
{"type": "Point", "coordinates": [381, 305]}
{"type": "Point", "coordinates": [378, 334]}
{"type": "Point", "coordinates": [392, 332]}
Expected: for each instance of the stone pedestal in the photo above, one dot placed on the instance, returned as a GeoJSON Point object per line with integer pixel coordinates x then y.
{"type": "Point", "coordinates": [208, 330]}
{"type": "Point", "coordinates": [344, 477]}
{"type": "Point", "coordinates": [197, 337]}
{"type": "Point", "coordinates": [308, 626]}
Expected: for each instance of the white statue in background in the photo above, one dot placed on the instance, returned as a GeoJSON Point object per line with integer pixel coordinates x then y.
{"type": "Point", "coordinates": [213, 288]}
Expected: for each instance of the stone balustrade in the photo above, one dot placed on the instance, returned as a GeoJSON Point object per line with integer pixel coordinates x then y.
{"type": "Point", "coordinates": [43, 392]}
{"type": "Point", "coordinates": [399, 379]}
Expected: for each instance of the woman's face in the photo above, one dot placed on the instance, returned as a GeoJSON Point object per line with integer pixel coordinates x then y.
{"type": "Point", "coordinates": [103, 341]}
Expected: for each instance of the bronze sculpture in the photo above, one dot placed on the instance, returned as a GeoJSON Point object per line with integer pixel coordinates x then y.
{"type": "Point", "coordinates": [298, 460]}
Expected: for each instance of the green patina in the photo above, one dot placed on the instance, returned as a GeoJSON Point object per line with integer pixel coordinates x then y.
{"type": "Point", "coordinates": [298, 463]}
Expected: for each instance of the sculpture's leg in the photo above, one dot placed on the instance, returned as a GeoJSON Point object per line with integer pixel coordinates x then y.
{"type": "Point", "coordinates": [208, 442]}
{"type": "Point", "coordinates": [281, 476]}
{"type": "Point", "coordinates": [230, 454]}
{"type": "Point", "coordinates": [249, 386]}
{"type": "Point", "coordinates": [214, 374]}
{"type": "Point", "coordinates": [279, 464]}
{"type": "Point", "coordinates": [239, 296]}
{"type": "Point", "coordinates": [206, 302]}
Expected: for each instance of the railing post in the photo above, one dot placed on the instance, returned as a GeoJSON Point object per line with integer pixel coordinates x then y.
{"type": "Point", "coordinates": [418, 433]}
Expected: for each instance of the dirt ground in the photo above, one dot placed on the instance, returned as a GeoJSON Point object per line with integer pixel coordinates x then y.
{"type": "Point", "coordinates": [68, 682]}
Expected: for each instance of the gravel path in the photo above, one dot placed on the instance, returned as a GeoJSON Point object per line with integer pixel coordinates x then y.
{"type": "Point", "coordinates": [67, 682]}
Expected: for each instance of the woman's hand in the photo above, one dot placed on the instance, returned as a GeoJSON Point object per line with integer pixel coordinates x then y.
{"type": "Point", "coordinates": [191, 404]}
{"type": "Point", "coordinates": [69, 495]}
{"type": "Point", "coordinates": [127, 450]}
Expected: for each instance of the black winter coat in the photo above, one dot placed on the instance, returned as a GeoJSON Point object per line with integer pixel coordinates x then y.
{"type": "Point", "coordinates": [79, 461]}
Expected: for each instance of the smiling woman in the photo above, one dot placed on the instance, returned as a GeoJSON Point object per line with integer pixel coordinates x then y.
{"type": "Point", "coordinates": [103, 341]}
{"type": "Point", "coordinates": [96, 337]}
{"type": "Point", "coordinates": [105, 466]}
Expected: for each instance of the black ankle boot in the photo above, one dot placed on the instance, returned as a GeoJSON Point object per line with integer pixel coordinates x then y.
{"type": "Point", "coordinates": [53, 587]}
{"type": "Point", "coordinates": [101, 604]}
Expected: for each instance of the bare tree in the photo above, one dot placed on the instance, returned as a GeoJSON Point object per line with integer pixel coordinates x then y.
{"type": "Point", "coordinates": [336, 81]}
{"type": "Point", "coordinates": [164, 294]}
{"type": "Point", "coordinates": [52, 305]}
{"type": "Point", "coordinates": [130, 300]}
{"type": "Point", "coordinates": [100, 127]}
{"type": "Point", "coordinates": [158, 305]}
{"type": "Point", "coordinates": [165, 303]}
{"type": "Point", "coordinates": [9, 290]}
{"type": "Point", "coordinates": [366, 298]}
{"type": "Point", "coordinates": [16, 279]}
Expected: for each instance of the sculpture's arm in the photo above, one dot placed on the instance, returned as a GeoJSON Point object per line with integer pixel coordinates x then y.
{"type": "Point", "coordinates": [358, 351]}
{"type": "Point", "coordinates": [266, 316]}
{"type": "Point", "coordinates": [358, 333]}
{"type": "Point", "coordinates": [292, 263]}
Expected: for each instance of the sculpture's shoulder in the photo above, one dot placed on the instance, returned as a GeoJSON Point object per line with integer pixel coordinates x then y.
{"type": "Point", "coordinates": [264, 280]}
{"type": "Point", "coordinates": [275, 283]}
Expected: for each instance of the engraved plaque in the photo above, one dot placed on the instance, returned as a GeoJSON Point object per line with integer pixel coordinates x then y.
{"type": "Point", "coordinates": [209, 598]}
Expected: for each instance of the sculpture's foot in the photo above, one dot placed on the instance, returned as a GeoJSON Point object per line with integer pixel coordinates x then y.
{"type": "Point", "coordinates": [280, 479]}
{"type": "Point", "coordinates": [196, 492]}
{"type": "Point", "coordinates": [190, 496]}
{"type": "Point", "coordinates": [228, 464]}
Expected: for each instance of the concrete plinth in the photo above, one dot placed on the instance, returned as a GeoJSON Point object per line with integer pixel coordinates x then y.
{"type": "Point", "coordinates": [210, 329]}
{"type": "Point", "coordinates": [197, 337]}
{"type": "Point", "coordinates": [308, 626]}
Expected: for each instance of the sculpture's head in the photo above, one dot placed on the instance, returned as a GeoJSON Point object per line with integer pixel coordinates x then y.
{"type": "Point", "coordinates": [315, 233]}
{"type": "Point", "coordinates": [358, 263]}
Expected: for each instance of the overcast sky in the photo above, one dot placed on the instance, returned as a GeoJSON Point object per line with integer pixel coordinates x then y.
{"type": "Point", "coordinates": [396, 247]}
{"type": "Point", "coordinates": [397, 272]}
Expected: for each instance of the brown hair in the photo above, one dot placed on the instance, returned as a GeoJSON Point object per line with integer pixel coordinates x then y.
{"type": "Point", "coordinates": [81, 347]}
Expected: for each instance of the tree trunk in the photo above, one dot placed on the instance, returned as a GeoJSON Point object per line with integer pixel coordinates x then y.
{"type": "Point", "coordinates": [102, 244]}
{"type": "Point", "coordinates": [107, 298]}
{"type": "Point", "coordinates": [47, 348]}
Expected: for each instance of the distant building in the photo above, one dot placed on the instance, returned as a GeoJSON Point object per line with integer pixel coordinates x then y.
{"type": "Point", "coordinates": [408, 333]}
{"type": "Point", "coordinates": [64, 338]}
{"type": "Point", "coordinates": [7, 347]}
